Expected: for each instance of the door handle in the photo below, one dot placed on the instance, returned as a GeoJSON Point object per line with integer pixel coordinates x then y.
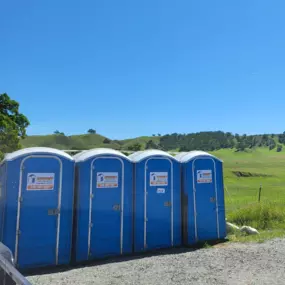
{"type": "Point", "coordinates": [117, 207]}
{"type": "Point", "coordinates": [167, 204]}
{"type": "Point", "coordinates": [213, 199]}
{"type": "Point", "coordinates": [53, 212]}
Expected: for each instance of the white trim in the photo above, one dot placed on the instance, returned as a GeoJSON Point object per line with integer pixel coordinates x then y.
{"type": "Point", "coordinates": [194, 155]}
{"type": "Point", "coordinates": [77, 205]}
{"type": "Point", "coordinates": [36, 150]}
{"type": "Point", "coordinates": [19, 204]}
{"type": "Point", "coordinates": [141, 155]}
{"type": "Point", "coordinates": [194, 200]}
{"type": "Point", "coordinates": [134, 154]}
{"type": "Point", "coordinates": [179, 155]}
{"type": "Point", "coordinates": [85, 155]}
{"type": "Point", "coordinates": [194, 194]}
{"type": "Point", "coordinates": [72, 211]}
{"type": "Point", "coordinates": [122, 202]}
{"type": "Point", "coordinates": [217, 208]}
{"type": "Point", "coordinates": [5, 200]}
{"type": "Point", "coordinates": [145, 197]}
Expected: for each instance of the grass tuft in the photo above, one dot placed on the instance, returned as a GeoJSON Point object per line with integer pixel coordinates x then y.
{"type": "Point", "coordinates": [261, 216]}
{"type": "Point", "coordinates": [207, 245]}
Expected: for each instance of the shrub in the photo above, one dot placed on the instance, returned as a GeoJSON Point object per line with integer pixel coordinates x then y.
{"type": "Point", "coordinates": [135, 147]}
{"type": "Point", "coordinates": [271, 147]}
{"type": "Point", "coordinates": [106, 140]}
{"type": "Point", "coordinates": [261, 216]}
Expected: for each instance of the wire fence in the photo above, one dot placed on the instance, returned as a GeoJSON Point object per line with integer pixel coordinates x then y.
{"type": "Point", "coordinates": [255, 201]}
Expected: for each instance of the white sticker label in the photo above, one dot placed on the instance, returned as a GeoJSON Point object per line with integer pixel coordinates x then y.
{"type": "Point", "coordinates": [204, 176]}
{"type": "Point", "coordinates": [40, 181]}
{"type": "Point", "coordinates": [107, 179]}
{"type": "Point", "coordinates": [158, 178]}
{"type": "Point", "coordinates": [160, 190]}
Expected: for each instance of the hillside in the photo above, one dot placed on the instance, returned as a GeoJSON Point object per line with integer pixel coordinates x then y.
{"type": "Point", "coordinates": [78, 142]}
{"type": "Point", "coordinates": [208, 141]}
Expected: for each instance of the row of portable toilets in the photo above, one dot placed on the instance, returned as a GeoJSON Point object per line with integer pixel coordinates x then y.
{"type": "Point", "coordinates": [56, 209]}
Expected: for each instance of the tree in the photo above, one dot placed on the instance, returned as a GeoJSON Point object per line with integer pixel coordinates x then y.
{"type": "Point", "coordinates": [135, 147]}
{"type": "Point", "coordinates": [228, 134]}
{"type": "Point", "coordinates": [59, 133]}
{"type": "Point", "coordinates": [13, 125]}
{"type": "Point", "coordinates": [237, 137]}
{"type": "Point", "coordinates": [241, 146]}
{"type": "Point", "coordinates": [183, 148]}
{"type": "Point", "coordinates": [271, 144]}
{"type": "Point", "coordinates": [279, 148]}
{"type": "Point", "coordinates": [151, 145]}
{"type": "Point", "coordinates": [91, 131]}
{"type": "Point", "coordinates": [265, 137]}
{"type": "Point", "coordinates": [281, 138]}
{"type": "Point", "coordinates": [106, 140]}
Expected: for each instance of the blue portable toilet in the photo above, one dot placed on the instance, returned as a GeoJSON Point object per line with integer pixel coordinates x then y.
{"type": "Point", "coordinates": [157, 200]}
{"type": "Point", "coordinates": [36, 206]}
{"type": "Point", "coordinates": [203, 197]}
{"type": "Point", "coordinates": [103, 222]}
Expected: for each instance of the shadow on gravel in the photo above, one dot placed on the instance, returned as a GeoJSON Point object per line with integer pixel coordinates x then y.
{"type": "Point", "coordinates": [108, 260]}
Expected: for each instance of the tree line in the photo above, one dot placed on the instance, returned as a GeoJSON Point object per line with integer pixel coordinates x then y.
{"type": "Point", "coordinates": [210, 141]}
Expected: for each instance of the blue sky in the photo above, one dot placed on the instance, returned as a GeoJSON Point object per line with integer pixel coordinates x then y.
{"type": "Point", "coordinates": [138, 67]}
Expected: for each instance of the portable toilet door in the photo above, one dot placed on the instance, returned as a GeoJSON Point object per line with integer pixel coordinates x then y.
{"type": "Point", "coordinates": [39, 206]}
{"type": "Point", "coordinates": [103, 205]}
{"type": "Point", "coordinates": [157, 211]}
{"type": "Point", "coordinates": [203, 197]}
{"type": "Point", "coordinates": [2, 196]}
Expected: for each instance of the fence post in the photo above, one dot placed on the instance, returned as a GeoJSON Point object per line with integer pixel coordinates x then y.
{"type": "Point", "coordinates": [259, 194]}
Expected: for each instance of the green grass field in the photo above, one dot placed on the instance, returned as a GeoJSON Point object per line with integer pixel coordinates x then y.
{"type": "Point", "coordinates": [241, 193]}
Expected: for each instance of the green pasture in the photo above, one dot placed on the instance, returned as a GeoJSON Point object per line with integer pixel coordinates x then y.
{"type": "Point", "coordinates": [244, 173]}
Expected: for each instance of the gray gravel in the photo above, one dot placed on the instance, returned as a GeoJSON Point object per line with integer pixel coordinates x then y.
{"type": "Point", "coordinates": [230, 263]}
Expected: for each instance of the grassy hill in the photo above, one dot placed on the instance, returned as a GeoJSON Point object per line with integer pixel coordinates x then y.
{"type": "Point", "coordinates": [86, 141]}
{"type": "Point", "coordinates": [141, 140]}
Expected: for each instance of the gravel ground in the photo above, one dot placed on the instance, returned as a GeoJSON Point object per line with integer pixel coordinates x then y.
{"type": "Point", "coordinates": [230, 263]}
